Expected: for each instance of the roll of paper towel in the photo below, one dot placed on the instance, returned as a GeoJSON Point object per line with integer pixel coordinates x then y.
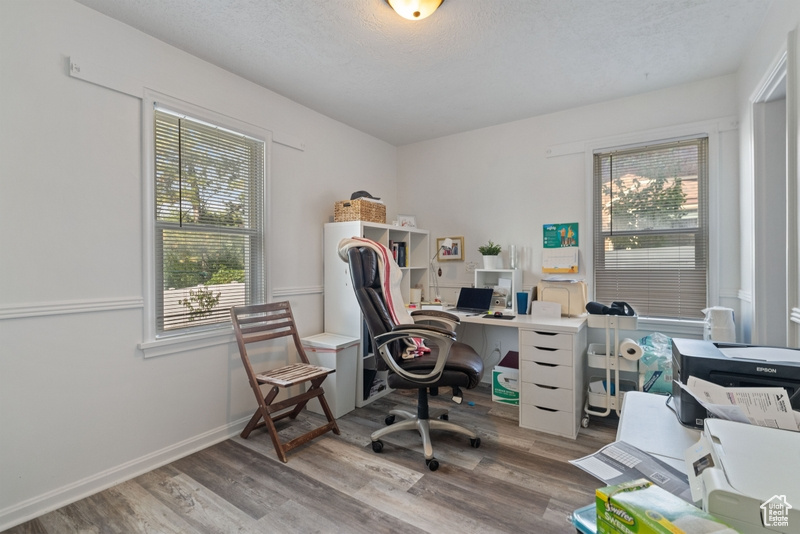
{"type": "Point", "coordinates": [415, 295]}
{"type": "Point", "coordinates": [630, 349]}
{"type": "Point", "coordinates": [720, 325]}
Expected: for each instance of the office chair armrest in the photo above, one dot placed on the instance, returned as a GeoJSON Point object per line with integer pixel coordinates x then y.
{"type": "Point", "coordinates": [443, 318]}
{"type": "Point", "coordinates": [424, 328]}
{"type": "Point", "coordinates": [440, 337]}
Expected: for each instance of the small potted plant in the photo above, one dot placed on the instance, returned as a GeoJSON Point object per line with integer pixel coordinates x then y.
{"type": "Point", "coordinates": [491, 255]}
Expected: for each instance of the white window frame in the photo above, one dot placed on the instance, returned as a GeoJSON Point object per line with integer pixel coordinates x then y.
{"type": "Point", "coordinates": [155, 343]}
{"type": "Point", "coordinates": [710, 129]}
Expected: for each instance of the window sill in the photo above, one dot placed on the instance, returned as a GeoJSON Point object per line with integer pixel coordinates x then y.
{"type": "Point", "coordinates": [187, 342]}
{"type": "Point", "coordinates": [672, 327]}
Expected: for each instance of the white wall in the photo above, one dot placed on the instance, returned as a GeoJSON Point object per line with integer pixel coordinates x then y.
{"type": "Point", "coordinates": [79, 405]}
{"type": "Point", "coordinates": [504, 182]}
{"type": "Point", "coordinates": [755, 70]}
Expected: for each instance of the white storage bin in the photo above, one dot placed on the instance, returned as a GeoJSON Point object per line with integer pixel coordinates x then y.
{"type": "Point", "coordinates": [613, 401]}
{"type": "Point", "coordinates": [334, 352]}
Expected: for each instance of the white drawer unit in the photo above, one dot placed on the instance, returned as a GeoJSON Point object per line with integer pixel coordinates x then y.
{"type": "Point", "coordinates": [549, 397]}
{"type": "Point", "coordinates": [546, 374]}
{"type": "Point", "coordinates": [544, 339]}
{"type": "Point", "coordinates": [547, 420]}
{"type": "Point", "coordinates": [553, 356]}
{"type": "Point", "coordinates": [551, 380]}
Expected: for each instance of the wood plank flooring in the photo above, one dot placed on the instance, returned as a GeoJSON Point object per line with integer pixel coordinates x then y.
{"type": "Point", "coordinates": [517, 481]}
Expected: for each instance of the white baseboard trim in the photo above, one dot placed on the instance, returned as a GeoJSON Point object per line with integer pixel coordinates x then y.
{"type": "Point", "coordinates": [55, 499]}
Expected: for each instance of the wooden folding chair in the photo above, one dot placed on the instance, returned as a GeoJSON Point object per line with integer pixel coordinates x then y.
{"type": "Point", "coordinates": [263, 322]}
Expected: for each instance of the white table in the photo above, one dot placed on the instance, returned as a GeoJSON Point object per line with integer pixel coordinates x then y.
{"type": "Point", "coordinates": [650, 425]}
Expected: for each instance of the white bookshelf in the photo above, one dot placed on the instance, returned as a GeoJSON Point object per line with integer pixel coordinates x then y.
{"type": "Point", "coordinates": [342, 312]}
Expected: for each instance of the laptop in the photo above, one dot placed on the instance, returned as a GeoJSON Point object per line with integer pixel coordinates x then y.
{"type": "Point", "coordinates": [473, 300]}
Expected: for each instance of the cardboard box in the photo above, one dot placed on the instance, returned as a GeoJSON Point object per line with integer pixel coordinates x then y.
{"type": "Point", "coordinates": [505, 380]}
{"type": "Point", "coordinates": [640, 507]}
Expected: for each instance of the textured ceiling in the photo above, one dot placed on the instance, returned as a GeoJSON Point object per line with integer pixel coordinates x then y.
{"type": "Point", "coordinates": [473, 63]}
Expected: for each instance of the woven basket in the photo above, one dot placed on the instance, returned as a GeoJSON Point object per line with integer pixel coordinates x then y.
{"type": "Point", "coordinates": [359, 210]}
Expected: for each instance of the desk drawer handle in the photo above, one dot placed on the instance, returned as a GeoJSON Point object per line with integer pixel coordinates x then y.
{"type": "Point", "coordinates": [546, 348]}
{"type": "Point", "coordinates": [546, 409]}
{"type": "Point", "coordinates": [543, 386]}
{"type": "Point", "coordinates": [546, 364]}
{"type": "Point", "coordinates": [546, 333]}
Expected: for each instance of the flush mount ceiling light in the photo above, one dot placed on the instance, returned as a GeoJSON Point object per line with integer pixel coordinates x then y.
{"type": "Point", "coordinates": [414, 9]}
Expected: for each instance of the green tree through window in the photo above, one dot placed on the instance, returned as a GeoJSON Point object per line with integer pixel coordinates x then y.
{"type": "Point", "coordinates": [209, 221]}
{"type": "Point", "coordinates": [651, 227]}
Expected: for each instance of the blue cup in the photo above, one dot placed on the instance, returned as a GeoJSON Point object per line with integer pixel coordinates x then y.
{"type": "Point", "coordinates": [522, 302]}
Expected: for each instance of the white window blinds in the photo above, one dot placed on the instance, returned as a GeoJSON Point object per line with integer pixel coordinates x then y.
{"type": "Point", "coordinates": [209, 211]}
{"type": "Point", "coordinates": [651, 228]}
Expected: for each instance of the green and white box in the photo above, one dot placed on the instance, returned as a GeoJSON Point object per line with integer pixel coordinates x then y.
{"type": "Point", "coordinates": [639, 507]}
{"type": "Point", "coordinates": [505, 380]}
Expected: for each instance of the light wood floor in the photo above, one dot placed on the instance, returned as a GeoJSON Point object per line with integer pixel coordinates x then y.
{"type": "Point", "coordinates": [517, 481]}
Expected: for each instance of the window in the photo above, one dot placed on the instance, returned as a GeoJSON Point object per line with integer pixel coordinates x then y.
{"type": "Point", "coordinates": [651, 228]}
{"type": "Point", "coordinates": [209, 227]}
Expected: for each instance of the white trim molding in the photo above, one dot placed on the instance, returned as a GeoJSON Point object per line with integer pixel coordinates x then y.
{"type": "Point", "coordinates": [52, 500]}
{"type": "Point", "coordinates": [67, 307]}
{"type": "Point", "coordinates": [297, 291]}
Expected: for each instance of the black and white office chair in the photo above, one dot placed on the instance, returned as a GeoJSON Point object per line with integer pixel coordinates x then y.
{"type": "Point", "coordinates": [449, 364]}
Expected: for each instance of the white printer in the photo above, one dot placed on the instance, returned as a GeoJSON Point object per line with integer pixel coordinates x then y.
{"type": "Point", "coordinates": [752, 480]}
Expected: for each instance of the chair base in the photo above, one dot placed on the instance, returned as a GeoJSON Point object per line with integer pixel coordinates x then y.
{"type": "Point", "coordinates": [268, 413]}
{"type": "Point", "coordinates": [423, 426]}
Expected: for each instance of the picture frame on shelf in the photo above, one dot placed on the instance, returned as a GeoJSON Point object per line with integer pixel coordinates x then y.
{"type": "Point", "coordinates": [409, 221]}
{"type": "Point", "coordinates": [452, 253]}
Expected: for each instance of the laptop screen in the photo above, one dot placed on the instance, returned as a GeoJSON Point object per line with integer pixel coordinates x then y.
{"type": "Point", "coordinates": [475, 298]}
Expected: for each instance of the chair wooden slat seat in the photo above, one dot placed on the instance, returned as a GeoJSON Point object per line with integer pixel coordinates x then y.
{"type": "Point", "coordinates": [265, 322]}
{"type": "Point", "coordinates": [293, 374]}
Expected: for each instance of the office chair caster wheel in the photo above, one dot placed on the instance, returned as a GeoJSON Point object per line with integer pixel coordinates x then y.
{"type": "Point", "coordinates": [377, 446]}
{"type": "Point", "coordinates": [585, 422]}
{"type": "Point", "coordinates": [433, 464]}
{"type": "Point", "coordinates": [389, 420]}
{"type": "Point", "coordinates": [444, 417]}
{"type": "Point", "coordinates": [475, 442]}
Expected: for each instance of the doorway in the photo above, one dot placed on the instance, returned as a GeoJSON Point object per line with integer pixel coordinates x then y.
{"type": "Point", "coordinates": [770, 325]}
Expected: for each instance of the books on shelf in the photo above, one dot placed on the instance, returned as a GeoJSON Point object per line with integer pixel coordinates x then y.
{"type": "Point", "coordinates": [399, 252]}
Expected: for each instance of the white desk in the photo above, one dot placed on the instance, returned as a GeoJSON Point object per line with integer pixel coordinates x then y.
{"type": "Point", "coordinates": [758, 465]}
{"type": "Point", "coordinates": [551, 362]}
{"type": "Point", "coordinates": [560, 324]}
{"type": "Point", "coordinates": [648, 424]}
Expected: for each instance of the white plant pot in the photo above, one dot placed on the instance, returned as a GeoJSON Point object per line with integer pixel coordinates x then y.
{"type": "Point", "coordinates": [492, 262]}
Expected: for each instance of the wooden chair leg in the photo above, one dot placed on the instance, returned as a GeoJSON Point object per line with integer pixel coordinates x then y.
{"type": "Point", "coordinates": [280, 449]}
{"type": "Point", "coordinates": [325, 408]}
{"type": "Point", "coordinates": [263, 417]}
{"type": "Point", "coordinates": [261, 413]}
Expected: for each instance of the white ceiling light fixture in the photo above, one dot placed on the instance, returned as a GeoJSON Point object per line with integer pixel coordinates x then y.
{"type": "Point", "coordinates": [414, 9]}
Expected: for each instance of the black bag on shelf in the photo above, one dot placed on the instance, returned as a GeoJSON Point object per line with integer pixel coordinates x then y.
{"type": "Point", "coordinates": [616, 308]}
